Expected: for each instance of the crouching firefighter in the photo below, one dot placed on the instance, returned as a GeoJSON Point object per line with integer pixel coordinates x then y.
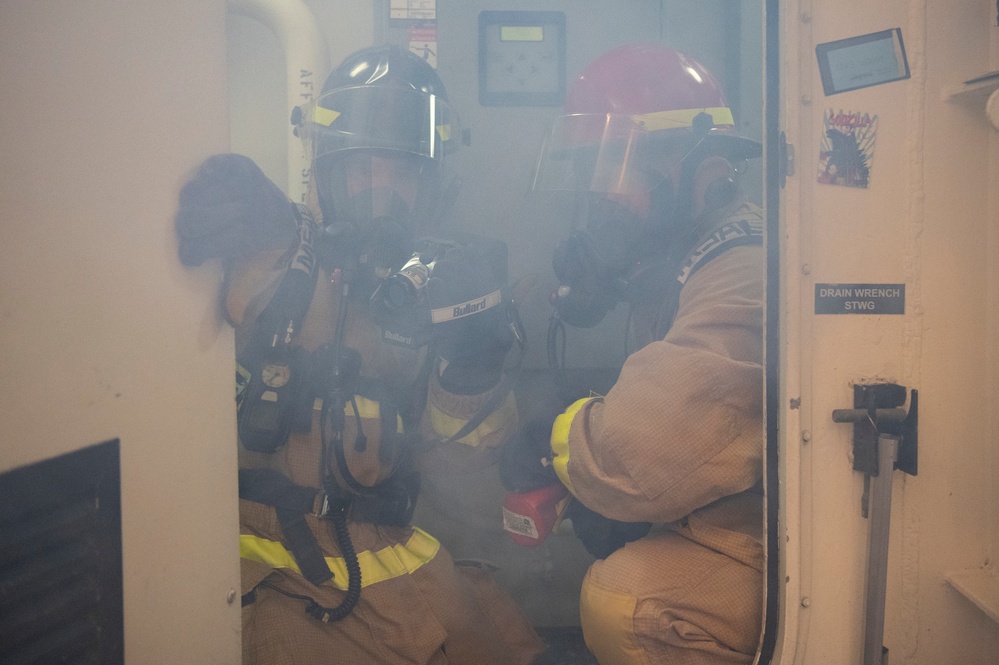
{"type": "Point", "coordinates": [664, 469]}
{"type": "Point", "coordinates": [332, 391]}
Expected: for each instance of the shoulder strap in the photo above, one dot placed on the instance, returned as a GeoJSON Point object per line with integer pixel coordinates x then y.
{"type": "Point", "coordinates": [738, 231]}
{"type": "Point", "coordinates": [287, 308]}
{"type": "Point", "coordinates": [291, 502]}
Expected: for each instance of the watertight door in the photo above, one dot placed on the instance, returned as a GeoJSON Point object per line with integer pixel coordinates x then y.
{"type": "Point", "coordinates": [888, 254]}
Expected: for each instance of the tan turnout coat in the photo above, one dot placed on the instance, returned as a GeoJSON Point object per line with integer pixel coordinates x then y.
{"type": "Point", "coordinates": [417, 606]}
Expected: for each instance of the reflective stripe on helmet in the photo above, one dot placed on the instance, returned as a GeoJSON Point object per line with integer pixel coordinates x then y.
{"type": "Point", "coordinates": [447, 426]}
{"type": "Point", "coordinates": [682, 118]}
{"type": "Point", "coordinates": [385, 564]}
{"type": "Point", "coordinates": [324, 116]}
{"type": "Point", "coordinates": [560, 441]}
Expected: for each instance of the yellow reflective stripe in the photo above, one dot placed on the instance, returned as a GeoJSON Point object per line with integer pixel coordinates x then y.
{"type": "Point", "coordinates": [560, 441]}
{"type": "Point", "coordinates": [370, 410]}
{"type": "Point", "coordinates": [324, 116]}
{"type": "Point", "coordinates": [681, 118]}
{"type": "Point", "coordinates": [608, 617]}
{"type": "Point", "coordinates": [385, 564]}
{"type": "Point", "coordinates": [444, 132]}
{"type": "Point", "coordinates": [447, 426]}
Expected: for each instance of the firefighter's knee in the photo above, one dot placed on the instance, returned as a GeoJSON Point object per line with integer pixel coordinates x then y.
{"type": "Point", "coordinates": [607, 615]}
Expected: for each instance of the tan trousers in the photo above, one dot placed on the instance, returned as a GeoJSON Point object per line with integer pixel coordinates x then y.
{"type": "Point", "coordinates": [437, 613]}
{"type": "Point", "coordinates": [665, 599]}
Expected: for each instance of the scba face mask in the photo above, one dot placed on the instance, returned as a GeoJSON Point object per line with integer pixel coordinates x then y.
{"type": "Point", "coordinates": [371, 250]}
{"type": "Point", "coordinates": [374, 205]}
{"type": "Point", "coordinates": [594, 266]}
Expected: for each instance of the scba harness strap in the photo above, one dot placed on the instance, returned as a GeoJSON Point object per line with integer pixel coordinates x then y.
{"type": "Point", "coordinates": [740, 232]}
{"type": "Point", "coordinates": [735, 233]}
{"type": "Point", "coordinates": [268, 374]}
{"type": "Point", "coordinates": [291, 503]}
{"type": "Point", "coordinates": [354, 570]}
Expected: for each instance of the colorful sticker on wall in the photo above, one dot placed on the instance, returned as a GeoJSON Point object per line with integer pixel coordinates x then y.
{"type": "Point", "coordinates": [423, 42]}
{"type": "Point", "coordinates": [847, 148]}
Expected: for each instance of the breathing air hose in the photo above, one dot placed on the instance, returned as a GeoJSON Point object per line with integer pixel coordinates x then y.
{"type": "Point", "coordinates": [338, 512]}
{"type": "Point", "coordinates": [346, 606]}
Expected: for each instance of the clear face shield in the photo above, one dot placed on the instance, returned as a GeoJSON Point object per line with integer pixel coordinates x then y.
{"type": "Point", "coordinates": [630, 158]}
{"type": "Point", "coordinates": [621, 166]}
{"type": "Point", "coordinates": [387, 124]}
{"type": "Point", "coordinates": [610, 154]}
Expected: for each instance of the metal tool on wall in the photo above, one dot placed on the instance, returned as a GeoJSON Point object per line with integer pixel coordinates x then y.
{"type": "Point", "coordinates": [884, 439]}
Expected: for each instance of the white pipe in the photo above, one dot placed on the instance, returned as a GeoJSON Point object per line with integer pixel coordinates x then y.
{"type": "Point", "coordinates": [307, 61]}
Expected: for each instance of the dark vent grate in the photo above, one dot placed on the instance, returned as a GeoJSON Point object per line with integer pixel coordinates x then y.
{"type": "Point", "coordinates": [60, 560]}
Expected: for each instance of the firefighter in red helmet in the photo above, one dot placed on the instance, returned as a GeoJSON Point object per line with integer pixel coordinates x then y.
{"type": "Point", "coordinates": [665, 468]}
{"type": "Point", "coordinates": [335, 408]}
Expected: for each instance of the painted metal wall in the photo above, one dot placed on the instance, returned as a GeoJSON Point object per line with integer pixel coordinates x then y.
{"type": "Point", "coordinates": [105, 107]}
{"type": "Point", "coordinates": [928, 220]}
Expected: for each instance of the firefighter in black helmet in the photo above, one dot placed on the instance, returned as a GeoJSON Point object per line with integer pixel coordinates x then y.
{"type": "Point", "coordinates": [335, 413]}
{"type": "Point", "coordinates": [380, 135]}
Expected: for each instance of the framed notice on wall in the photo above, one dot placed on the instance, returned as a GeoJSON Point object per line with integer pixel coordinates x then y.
{"type": "Point", "coordinates": [860, 62]}
{"type": "Point", "coordinates": [521, 58]}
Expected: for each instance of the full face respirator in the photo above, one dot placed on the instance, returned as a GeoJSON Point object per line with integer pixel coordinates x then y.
{"type": "Point", "coordinates": [373, 207]}
{"type": "Point", "coordinates": [593, 265]}
{"type": "Point", "coordinates": [610, 259]}
{"type": "Point", "coordinates": [619, 255]}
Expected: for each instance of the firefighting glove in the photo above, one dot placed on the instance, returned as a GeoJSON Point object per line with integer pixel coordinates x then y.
{"type": "Point", "coordinates": [602, 536]}
{"type": "Point", "coordinates": [474, 334]}
{"type": "Point", "coordinates": [229, 209]}
{"type": "Point", "coordinates": [525, 459]}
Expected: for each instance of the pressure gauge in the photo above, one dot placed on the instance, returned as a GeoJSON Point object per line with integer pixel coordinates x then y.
{"type": "Point", "coordinates": [521, 58]}
{"type": "Point", "coordinates": [275, 375]}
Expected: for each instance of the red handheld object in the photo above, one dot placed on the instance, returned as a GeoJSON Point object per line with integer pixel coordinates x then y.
{"type": "Point", "coordinates": [528, 517]}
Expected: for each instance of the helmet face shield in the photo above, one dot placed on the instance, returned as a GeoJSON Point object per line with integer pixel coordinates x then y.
{"type": "Point", "coordinates": [358, 186]}
{"type": "Point", "coordinates": [380, 117]}
{"type": "Point", "coordinates": [378, 151]}
{"type": "Point", "coordinates": [602, 153]}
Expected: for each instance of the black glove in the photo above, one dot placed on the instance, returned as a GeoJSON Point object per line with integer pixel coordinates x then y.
{"type": "Point", "coordinates": [472, 347]}
{"type": "Point", "coordinates": [230, 209]}
{"type": "Point", "coordinates": [525, 459]}
{"type": "Point", "coordinates": [602, 536]}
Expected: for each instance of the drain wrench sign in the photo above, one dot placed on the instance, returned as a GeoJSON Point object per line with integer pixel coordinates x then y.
{"type": "Point", "coordinates": [860, 298]}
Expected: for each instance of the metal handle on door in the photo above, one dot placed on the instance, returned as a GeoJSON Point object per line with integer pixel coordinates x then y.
{"type": "Point", "coordinates": [884, 439]}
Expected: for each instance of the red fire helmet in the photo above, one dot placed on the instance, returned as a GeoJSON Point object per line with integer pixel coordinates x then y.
{"type": "Point", "coordinates": [624, 102]}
